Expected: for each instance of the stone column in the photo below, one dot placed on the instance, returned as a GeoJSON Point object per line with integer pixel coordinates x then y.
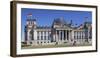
{"type": "Point", "coordinates": [72, 35]}
{"type": "Point", "coordinates": [84, 36]}
{"type": "Point", "coordinates": [39, 36]}
{"type": "Point", "coordinates": [69, 36]}
{"type": "Point", "coordinates": [76, 35]}
{"type": "Point", "coordinates": [88, 34]}
{"type": "Point", "coordinates": [35, 36]}
{"type": "Point", "coordinates": [59, 35]}
{"type": "Point", "coordinates": [66, 35]}
{"type": "Point", "coordinates": [43, 37]}
{"type": "Point", "coordinates": [28, 37]}
{"type": "Point", "coordinates": [56, 36]}
{"type": "Point", "coordinates": [53, 37]}
{"type": "Point", "coordinates": [62, 35]}
{"type": "Point", "coordinates": [81, 37]}
{"type": "Point", "coordinates": [47, 36]}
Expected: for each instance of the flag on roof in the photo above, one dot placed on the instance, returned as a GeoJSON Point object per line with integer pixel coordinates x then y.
{"type": "Point", "coordinates": [29, 14]}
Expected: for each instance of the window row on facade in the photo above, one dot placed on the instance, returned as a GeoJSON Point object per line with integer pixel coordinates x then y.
{"type": "Point", "coordinates": [43, 35]}
{"type": "Point", "coordinates": [79, 35]}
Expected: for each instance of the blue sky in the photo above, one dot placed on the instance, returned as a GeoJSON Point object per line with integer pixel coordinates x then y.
{"type": "Point", "coordinates": [45, 17]}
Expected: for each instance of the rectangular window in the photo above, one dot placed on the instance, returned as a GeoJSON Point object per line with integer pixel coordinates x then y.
{"type": "Point", "coordinates": [74, 34]}
{"type": "Point", "coordinates": [44, 37]}
{"type": "Point", "coordinates": [37, 37]}
{"type": "Point", "coordinates": [41, 37]}
{"type": "Point", "coordinates": [77, 34]}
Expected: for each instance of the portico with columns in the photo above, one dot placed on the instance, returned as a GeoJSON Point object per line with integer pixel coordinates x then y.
{"type": "Point", "coordinates": [63, 35]}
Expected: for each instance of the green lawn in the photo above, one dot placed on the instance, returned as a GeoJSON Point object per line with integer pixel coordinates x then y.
{"type": "Point", "coordinates": [52, 46]}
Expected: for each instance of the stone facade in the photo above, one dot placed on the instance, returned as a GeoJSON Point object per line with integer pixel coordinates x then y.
{"type": "Point", "coordinates": [59, 33]}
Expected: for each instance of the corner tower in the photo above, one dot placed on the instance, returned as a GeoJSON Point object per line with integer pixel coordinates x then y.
{"type": "Point", "coordinates": [30, 25]}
